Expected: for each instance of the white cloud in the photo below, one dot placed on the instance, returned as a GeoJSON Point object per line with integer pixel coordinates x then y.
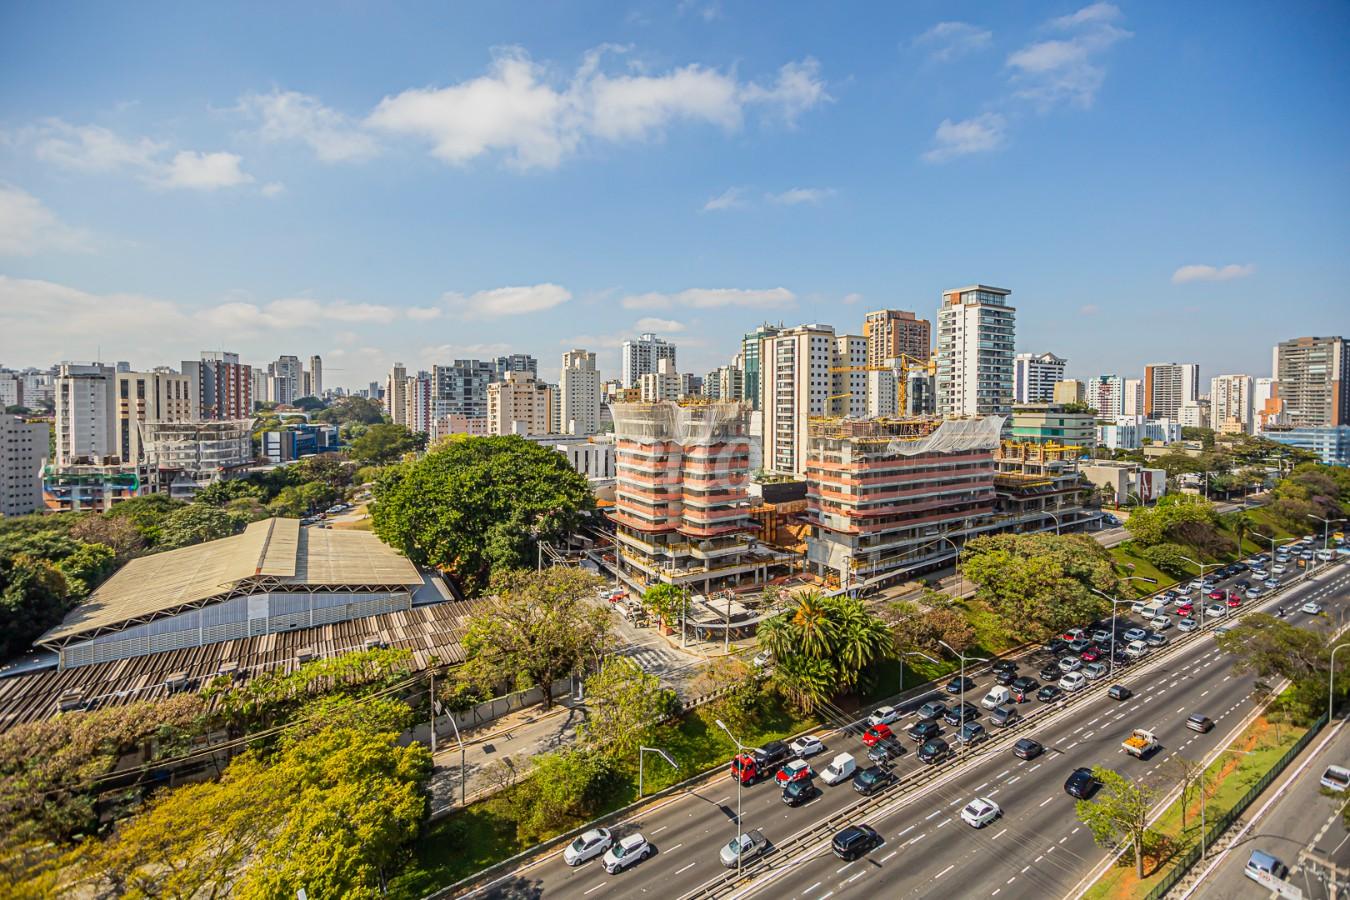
{"type": "Point", "coordinates": [1056, 71]}
{"type": "Point", "coordinates": [517, 111]}
{"type": "Point", "coordinates": [1187, 274]}
{"type": "Point", "coordinates": [292, 312]}
{"type": "Point", "coordinates": [293, 116]}
{"type": "Point", "coordinates": [1088, 309]}
{"type": "Point", "coordinates": [947, 41]}
{"type": "Point", "coordinates": [272, 189]}
{"type": "Point", "coordinates": [731, 198]}
{"type": "Point", "coordinates": [133, 324]}
{"type": "Point", "coordinates": [711, 298]}
{"type": "Point", "coordinates": [795, 196]}
{"type": "Point", "coordinates": [851, 299]}
{"type": "Point", "coordinates": [98, 150]}
{"type": "Point", "coordinates": [423, 313]}
{"type": "Point", "coordinates": [980, 134]}
{"type": "Point", "coordinates": [204, 171]}
{"type": "Point", "coordinates": [508, 301]}
{"type": "Point", "coordinates": [653, 324]}
{"type": "Point", "coordinates": [28, 227]}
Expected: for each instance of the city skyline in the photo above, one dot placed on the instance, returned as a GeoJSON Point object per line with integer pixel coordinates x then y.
{"type": "Point", "coordinates": [709, 179]}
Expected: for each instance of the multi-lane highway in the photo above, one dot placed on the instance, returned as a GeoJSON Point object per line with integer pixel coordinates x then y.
{"type": "Point", "coordinates": [928, 850]}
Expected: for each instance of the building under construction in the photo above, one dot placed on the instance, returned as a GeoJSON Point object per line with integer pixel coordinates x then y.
{"type": "Point", "coordinates": [888, 496]}
{"type": "Point", "coordinates": [681, 501]}
{"type": "Point", "coordinates": [1039, 487]}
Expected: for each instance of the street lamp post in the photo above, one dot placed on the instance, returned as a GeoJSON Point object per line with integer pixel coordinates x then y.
{"type": "Point", "coordinates": [902, 664]}
{"type": "Point", "coordinates": [1201, 567]}
{"type": "Point", "coordinates": [964, 659]}
{"type": "Point", "coordinates": [1053, 516]}
{"type": "Point", "coordinates": [1326, 528]}
{"type": "Point", "coordinates": [1114, 603]}
{"type": "Point", "coordinates": [659, 752]}
{"type": "Point", "coordinates": [740, 748]}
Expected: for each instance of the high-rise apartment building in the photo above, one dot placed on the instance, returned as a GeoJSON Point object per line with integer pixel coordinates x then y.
{"type": "Point", "coordinates": [663, 384]}
{"type": "Point", "coordinates": [1106, 394]}
{"type": "Point", "coordinates": [23, 450]}
{"type": "Point", "coordinates": [226, 389]}
{"type": "Point", "coordinates": [976, 331]}
{"type": "Point", "coordinates": [1314, 381]}
{"type": "Point", "coordinates": [1230, 403]}
{"type": "Point", "coordinates": [750, 366]}
{"type": "Point", "coordinates": [892, 332]}
{"type": "Point", "coordinates": [641, 356]}
{"type": "Point", "coordinates": [159, 396]}
{"type": "Point", "coordinates": [315, 377]}
{"type": "Point", "coordinates": [1034, 377]}
{"type": "Point", "coordinates": [1069, 391]}
{"type": "Point", "coordinates": [285, 377]}
{"type": "Point", "coordinates": [460, 389]}
{"type": "Point", "coordinates": [1133, 400]}
{"type": "Point", "coordinates": [86, 414]}
{"type": "Point", "coordinates": [519, 404]}
{"type": "Point", "coordinates": [848, 376]}
{"type": "Point", "coordinates": [1169, 386]}
{"type": "Point", "coordinates": [11, 389]}
{"type": "Point", "coordinates": [579, 394]}
{"type": "Point", "coordinates": [1267, 407]}
{"type": "Point", "coordinates": [419, 398]}
{"type": "Point", "coordinates": [516, 362]}
{"type": "Point", "coordinates": [396, 394]}
{"type": "Point", "coordinates": [795, 386]}
{"type": "Point", "coordinates": [728, 383]}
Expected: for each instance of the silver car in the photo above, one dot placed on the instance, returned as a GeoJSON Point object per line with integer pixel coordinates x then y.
{"type": "Point", "coordinates": [587, 846]}
{"type": "Point", "coordinates": [628, 851]}
{"type": "Point", "coordinates": [743, 848]}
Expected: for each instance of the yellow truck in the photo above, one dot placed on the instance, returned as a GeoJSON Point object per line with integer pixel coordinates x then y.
{"type": "Point", "coordinates": [1140, 743]}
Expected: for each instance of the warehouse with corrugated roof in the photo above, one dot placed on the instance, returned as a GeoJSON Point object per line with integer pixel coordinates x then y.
{"type": "Point", "coordinates": [274, 577]}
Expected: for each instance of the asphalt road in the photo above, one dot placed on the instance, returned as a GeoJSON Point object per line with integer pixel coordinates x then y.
{"type": "Point", "coordinates": [1300, 818]}
{"type": "Point", "coordinates": [929, 851]}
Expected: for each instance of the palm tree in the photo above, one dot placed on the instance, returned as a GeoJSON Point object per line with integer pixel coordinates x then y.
{"type": "Point", "coordinates": [778, 636]}
{"type": "Point", "coordinates": [807, 682]}
{"type": "Point", "coordinates": [862, 639]}
{"type": "Point", "coordinates": [815, 626]}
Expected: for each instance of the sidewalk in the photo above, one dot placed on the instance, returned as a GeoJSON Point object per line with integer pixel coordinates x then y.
{"type": "Point", "coordinates": [515, 737]}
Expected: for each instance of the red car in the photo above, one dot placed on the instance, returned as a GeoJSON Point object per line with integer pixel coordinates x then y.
{"type": "Point", "coordinates": [1185, 609]}
{"type": "Point", "coordinates": [877, 733]}
{"type": "Point", "coordinates": [1216, 595]}
{"type": "Point", "coordinates": [1234, 601]}
{"type": "Point", "coordinates": [1091, 654]}
{"type": "Point", "coordinates": [793, 770]}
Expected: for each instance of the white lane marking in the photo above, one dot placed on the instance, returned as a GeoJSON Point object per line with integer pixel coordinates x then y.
{"type": "Point", "coordinates": [843, 867]}
{"type": "Point", "coordinates": [594, 889]}
{"type": "Point", "coordinates": [1180, 708]}
{"type": "Point", "coordinates": [1047, 800]}
{"type": "Point", "coordinates": [1071, 746]}
{"type": "Point", "coordinates": [659, 830]}
{"type": "Point", "coordinates": [936, 812]}
{"type": "Point", "coordinates": [982, 787]}
{"type": "Point", "coordinates": [993, 792]}
{"type": "Point", "coordinates": [1034, 768]}
{"type": "Point", "coordinates": [1001, 774]}
{"type": "Point", "coordinates": [676, 847]}
{"type": "Point", "coordinates": [1063, 839]}
{"type": "Point", "coordinates": [943, 822]}
{"type": "Point", "coordinates": [905, 832]}
{"type": "Point", "coordinates": [808, 890]}
{"type": "Point", "coordinates": [944, 871]}
{"type": "Point", "coordinates": [888, 856]}
{"type": "Point", "coordinates": [1011, 880]}
{"type": "Point", "coordinates": [690, 866]}
{"type": "Point", "coordinates": [956, 802]}
{"type": "Point", "coordinates": [1013, 780]}
{"type": "Point", "coordinates": [1205, 694]}
{"type": "Point", "coordinates": [914, 840]}
{"type": "Point", "coordinates": [999, 835]}
{"type": "Point", "coordinates": [856, 876]}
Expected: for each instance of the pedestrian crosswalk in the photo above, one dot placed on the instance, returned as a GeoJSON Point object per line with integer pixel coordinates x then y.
{"type": "Point", "coordinates": [655, 658]}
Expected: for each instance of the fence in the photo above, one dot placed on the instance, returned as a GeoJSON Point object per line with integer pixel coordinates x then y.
{"type": "Point", "coordinates": [1216, 829]}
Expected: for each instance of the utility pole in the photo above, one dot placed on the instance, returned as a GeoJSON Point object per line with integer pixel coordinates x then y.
{"type": "Point", "coordinates": [1333, 871]}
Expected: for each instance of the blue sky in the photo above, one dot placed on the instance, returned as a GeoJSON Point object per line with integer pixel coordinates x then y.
{"type": "Point", "coordinates": [420, 182]}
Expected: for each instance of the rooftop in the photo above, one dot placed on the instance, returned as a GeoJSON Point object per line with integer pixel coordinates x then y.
{"type": "Point", "coordinates": [275, 549]}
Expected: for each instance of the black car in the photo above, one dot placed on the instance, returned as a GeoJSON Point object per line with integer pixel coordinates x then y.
{"type": "Point", "coordinates": [1119, 692]}
{"type": "Point", "coordinates": [935, 751]}
{"type": "Point", "coordinates": [798, 792]}
{"type": "Point", "coordinates": [1081, 784]}
{"type": "Point", "coordinates": [1005, 677]}
{"type": "Point", "coordinates": [923, 730]}
{"type": "Point", "coordinates": [958, 684]}
{"type": "Point", "coordinates": [1056, 646]}
{"type": "Point", "coordinates": [1050, 671]}
{"type": "Point", "coordinates": [854, 841]}
{"type": "Point", "coordinates": [1004, 665]}
{"type": "Point", "coordinates": [1026, 748]}
{"type": "Point", "coordinates": [1243, 585]}
{"type": "Point", "coordinates": [1049, 694]}
{"type": "Point", "coordinates": [884, 751]}
{"type": "Point", "coordinates": [1026, 684]}
{"type": "Point", "coordinates": [933, 709]}
{"type": "Point", "coordinates": [872, 779]}
{"type": "Point", "coordinates": [963, 713]}
{"type": "Point", "coordinates": [1241, 567]}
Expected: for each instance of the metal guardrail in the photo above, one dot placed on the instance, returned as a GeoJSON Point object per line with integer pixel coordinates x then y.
{"type": "Point", "coordinates": [1224, 821]}
{"type": "Point", "coordinates": [781, 854]}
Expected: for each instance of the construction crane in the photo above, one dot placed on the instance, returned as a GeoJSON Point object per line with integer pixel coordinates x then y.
{"type": "Point", "coordinates": [902, 365]}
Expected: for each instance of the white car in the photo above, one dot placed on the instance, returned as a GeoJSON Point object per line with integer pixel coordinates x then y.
{"type": "Point", "coordinates": [1312, 608]}
{"type": "Point", "coordinates": [1070, 664]}
{"type": "Point", "coordinates": [1279, 568]}
{"type": "Point", "coordinates": [761, 659]}
{"type": "Point", "coordinates": [629, 850]}
{"type": "Point", "coordinates": [980, 812]}
{"type": "Point", "coordinates": [1160, 623]}
{"type": "Point", "coordinates": [806, 746]}
{"type": "Point", "coordinates": [1187, 624]}
{"type": "Point", "coordinates": [589, 845]}
{"type": "Point", "coordinates": [1074, 681]}
{"type": "Point", "coordinates": [1185, 590]}
{"type": "Point", "coordinates": [884, 715]}
{"type": "Point", "coordinates": [1216, 611]}
{"type": "Point", "coordinates": [1135, 650]}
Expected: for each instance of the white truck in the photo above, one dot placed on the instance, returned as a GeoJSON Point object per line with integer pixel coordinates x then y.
{"type": "Point", "coordinates": [1140, 743]}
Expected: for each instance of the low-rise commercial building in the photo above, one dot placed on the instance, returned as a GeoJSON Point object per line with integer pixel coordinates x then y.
{"type": "Point", "coordinates": [1331, 443]}
{"type": "Point", "coordinates": [1131, 432]}
{"type": "Point", "coordinates": [298, 441]}
{"type": "Point", "coordinates": [1123, 483]}
{"type": "Point", "coordinates": [1052, 423]}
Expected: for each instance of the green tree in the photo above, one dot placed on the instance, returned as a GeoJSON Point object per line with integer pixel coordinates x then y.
{"type": "Point", "coordinates": [146, 513]}
{"type": "Point", "coordinates": [34, 595]}
{"type": "Point", "coordinates": [920, 626]}
{"type": "Point", "coordinates": [196, 524]}
{"type": "Point", "coordinates": [738, 687]}
{"type": "Point", "coordinates": [665, 601]}
{"type": "Point", "coordinates": [535, 628]}
{"type": "Point", "coordinates": [1040, 584]}
{"type": "Point", "coordinates": [1185, 518]}
{"type": "Point", "coordinates": [121, 535]}
{"type": "Point", "coordinates": [86, 567]}
{"type": "Point", "coordinates": [1119, 813]}
{"type": "Point", "coordinates": [1167, 557]}
{"type": "Point", "coordinates": [383, 444]}
{"type": "Point", "coordinates": [623, 706]}
{"type": "Point", "coordinates": [569, 787]}
{"type": "Point", "coordinates": [351, 410]}
{"type": "Point", "coordinates": [220, 493]}
{"type": "Point", "coordinates": [821, 644]}
{"type": "Point", "coordinates": [474, 505]}
{"type": "Point", "coordinates": [308, 403]}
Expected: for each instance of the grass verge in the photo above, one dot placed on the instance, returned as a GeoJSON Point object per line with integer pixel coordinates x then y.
{"type": "Point", "coordinates": [1229, 778]}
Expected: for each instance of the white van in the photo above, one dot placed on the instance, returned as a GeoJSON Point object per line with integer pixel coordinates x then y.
{"type": "Point", "coordinates": [1153, 608]}
{"type": "Point", "coordinates": [840, 769]}
{"type": "Point", "coordinates": [1136, 649]}
{"type": "Point", "coordinates": [997, 696]}
{"type": "Point", "coordinates": [1265, 869]}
